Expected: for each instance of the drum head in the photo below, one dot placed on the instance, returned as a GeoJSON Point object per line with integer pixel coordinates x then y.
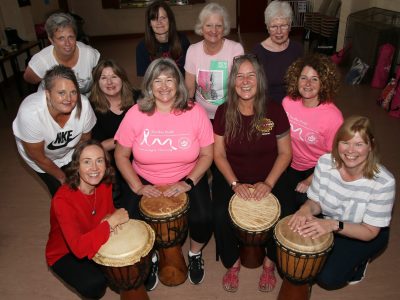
{"type": "Point", "coordinates": [253, 215]}
{"type": "Point", "coordinates": [297, 243]}
{"type": "Point", "coordinates": [162, 207]}
{"type": "Point", "coordinates": [133, 240]}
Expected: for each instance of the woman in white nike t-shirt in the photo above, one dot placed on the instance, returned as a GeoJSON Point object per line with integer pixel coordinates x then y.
{"type": "Point", "coordinates": [50, 123]}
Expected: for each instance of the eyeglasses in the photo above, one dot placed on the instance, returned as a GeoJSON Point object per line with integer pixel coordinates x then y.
{"type": "Point", "coordinates": [274, 28]}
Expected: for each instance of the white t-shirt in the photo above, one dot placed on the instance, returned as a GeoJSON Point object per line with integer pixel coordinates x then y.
{"type": "Point", "coordinates": [87, 60]}
{"type": "Point", "coordinates": [34, 124]}
{"type": "Point", "coordinates": [211, 73]}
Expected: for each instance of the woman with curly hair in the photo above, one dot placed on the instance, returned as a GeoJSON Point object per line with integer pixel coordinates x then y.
{"type": "Point", "coordinates": [82, 216]}
{"type": "Point", "coordinates": [312, 82]}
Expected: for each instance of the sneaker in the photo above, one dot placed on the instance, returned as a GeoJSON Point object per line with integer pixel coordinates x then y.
{"type": "Point", "coordinates": [196, 269]}
{"type": "Point", "coordinates": [152, 280]}
{"type": "Point", "coordinates": [359, 273]}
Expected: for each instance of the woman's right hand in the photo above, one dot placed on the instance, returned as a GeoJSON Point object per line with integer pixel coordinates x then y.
{"type": "Point", "coordinates": [149, 190]}
{"type": "Point", "coordinates": [243, 191]}
{"type": "Point", "coordinates": [298, 219]}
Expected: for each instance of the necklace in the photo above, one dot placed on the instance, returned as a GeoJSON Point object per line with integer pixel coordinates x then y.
{"type": "Point", "coordinates": [93, 212]}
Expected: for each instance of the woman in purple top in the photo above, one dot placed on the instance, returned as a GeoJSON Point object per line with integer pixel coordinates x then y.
{"type": "Point", "coordinates": [277, 52]}
{"type": "Point", "coordinates": [251, 150]}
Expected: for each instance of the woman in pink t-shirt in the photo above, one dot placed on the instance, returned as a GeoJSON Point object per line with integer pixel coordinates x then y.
{"type": "Point", "coordinates": [312, 83]}
{"type": "Point", "coordinates": [171, 140]}
{"type": "Point", "coordinates": [209, 61]}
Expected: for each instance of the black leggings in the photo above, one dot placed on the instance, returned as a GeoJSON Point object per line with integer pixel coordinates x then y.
{"type": "Point", "coordinates": [200, 211]}
{"type": "Point", "coordinates": [83, 275]}
{"type": "Point", "coordinates": [51, 182]}
{"type": "Point", "coordinates": [347, 254]}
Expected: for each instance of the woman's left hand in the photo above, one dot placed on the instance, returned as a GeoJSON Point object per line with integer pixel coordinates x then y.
{"type": "Point", "coordinates": [176, 189]}
{"type": "Point", "coordinates": [315, 228]}
{"type": "Point", "coordinates": [261, 189]}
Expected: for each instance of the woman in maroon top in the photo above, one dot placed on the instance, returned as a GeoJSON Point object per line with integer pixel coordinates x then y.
{"type": "Point", "coordinates": [247, 155]}
{"type": "Point", "coordinates": [82, 216]}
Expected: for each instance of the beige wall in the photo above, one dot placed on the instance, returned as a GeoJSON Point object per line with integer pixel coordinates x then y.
{"type": "Point", "coordinates": [99, 21]}
{"type": "Point", "coordinates": [40, 10]}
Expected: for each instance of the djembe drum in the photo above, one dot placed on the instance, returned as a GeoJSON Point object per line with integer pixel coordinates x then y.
{"type": "Point", "coordinates": [252, 221]}
{"type": "Point", "coordinates": [125, 259]}
{"type": "Point", "coordinates": [168, 217]}
{"type": "Point", "coordinates": [299, 259]}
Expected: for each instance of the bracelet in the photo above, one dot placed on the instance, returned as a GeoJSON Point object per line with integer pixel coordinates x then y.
{"type": "Point", "coordinates": [234, 183]}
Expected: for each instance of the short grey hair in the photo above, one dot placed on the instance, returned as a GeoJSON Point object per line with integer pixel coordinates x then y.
{"type": "Point", "coordinates": [278, 10]}
{"type": "Point", "coordinates": [59, 20]}
{"type": "Point", "coordinates": [157, 67]}
{"type": "Point", "coordinates": [212, 9]}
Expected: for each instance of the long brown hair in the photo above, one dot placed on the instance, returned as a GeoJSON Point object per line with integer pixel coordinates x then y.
{"type": "Point", "coordinates": [362, 126]}
{"type": "Point", "coordinates": [233, 119]}
{"type": "Point", "coordinates": [97, 97]}
{"type": "Point", "coordinates": [150, 40]}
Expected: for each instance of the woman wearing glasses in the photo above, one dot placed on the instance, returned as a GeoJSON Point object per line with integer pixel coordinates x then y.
{"type": "Point", "coordinates": [277, 52]}
{"type": "Point", "coordinates": [209, 61]}
{"type": "Point", "coordinates": [252, 148]}
{"type": "Point", "coordinates": [161, 38]}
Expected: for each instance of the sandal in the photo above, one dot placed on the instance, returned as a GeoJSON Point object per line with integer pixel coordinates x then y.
{"type": "Point", "coordinates": [230, 281]}
{"type": "Point", "coordinates": [267, 279]}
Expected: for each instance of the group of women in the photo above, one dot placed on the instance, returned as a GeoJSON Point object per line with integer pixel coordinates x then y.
{"type": "Point", "coordinates": [201, 103]}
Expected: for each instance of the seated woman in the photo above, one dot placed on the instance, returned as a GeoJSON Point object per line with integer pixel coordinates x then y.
{"type": "Point", "coordinates": [312, 83]}
{"type": "Point", "coordinates": [171, 141]}
{"type": "Point", "coordinates": [50, 124]}
{"type": "Point", "coordinates": [161, 38]}
{"type": "Point", "coordinates": [355, 194]}
{"type": "Point", "coordinates": [277, 52]}
{"type": "Point", "coordinates": [111, 97]}
{"type": "Point", "coordinates": [82, 216]}
{"type": "Point", "coordinates": [209, 61]}
{"type": "Point", "coordinates": [64, 50]}
{"type": "Point", "coordinates": [247, 155]}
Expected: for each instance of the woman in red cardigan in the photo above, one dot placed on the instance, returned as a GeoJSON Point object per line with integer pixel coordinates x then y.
{"type": "Point", "coordinates": [82, 216]}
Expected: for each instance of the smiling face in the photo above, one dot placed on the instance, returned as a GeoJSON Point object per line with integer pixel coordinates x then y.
{"type": "Point", "coordinates": [246, 81]}
{"type": "Point", "coordinates": [92, 167]}
{"type": "Point", "coordinates": [110, 84]}
{"type": "Point", "coordinates": [164, 89]}
{"type": "Point", "coordinates": [64, 41]}
{"type": "Point", "coordinates": [309, 85]}
{"type": "Point", "coordinates": [278, 30]}
{"type": "Point", "coordinates": [213, 29]}
{"type": "Point", "coordinates": [62, 97]}
{"type": "Point", "coordinates": [354, 153]}
{"type": "Point", "coordinates": [160, 25]}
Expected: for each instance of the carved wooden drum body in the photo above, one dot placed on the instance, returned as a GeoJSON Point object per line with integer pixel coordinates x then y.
{"type": "Point", "coordinates": [253, 221]}
{"type": "Point", "coordinates": [168, 217]}
{"type": "Point", "coordinates": [125, 258]}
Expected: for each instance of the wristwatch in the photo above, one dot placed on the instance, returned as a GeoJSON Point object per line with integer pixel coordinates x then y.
{"type": "Point", "coordinates": [234, 183]}
{"type": "Point", "coordinates": [190, 182]}
{"type": "Point", "coordinates": [340, 226]}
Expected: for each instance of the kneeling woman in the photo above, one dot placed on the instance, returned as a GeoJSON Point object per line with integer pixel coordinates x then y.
{"type": "Point", "coordinates": [82, 216]}
{"type": "Point", "coordinates": [355, 194]}
{"type": "Point", "coordinates": [252, 149]}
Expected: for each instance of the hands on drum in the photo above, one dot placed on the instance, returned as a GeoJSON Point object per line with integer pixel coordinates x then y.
{"type": "Point", "coordinates": [177, 189]}
{"type": "Point", "coordinates": [310, 226]}
{"type": "Point", "coordinates": [260, 190]}
{"type": "Point", "coordinates": [149, 190]}
{"type": "Point", "coordinates": [119, 217]}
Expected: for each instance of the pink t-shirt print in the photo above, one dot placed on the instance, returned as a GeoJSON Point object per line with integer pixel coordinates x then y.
{"type": "Point", "coordinates": [164, 141]}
